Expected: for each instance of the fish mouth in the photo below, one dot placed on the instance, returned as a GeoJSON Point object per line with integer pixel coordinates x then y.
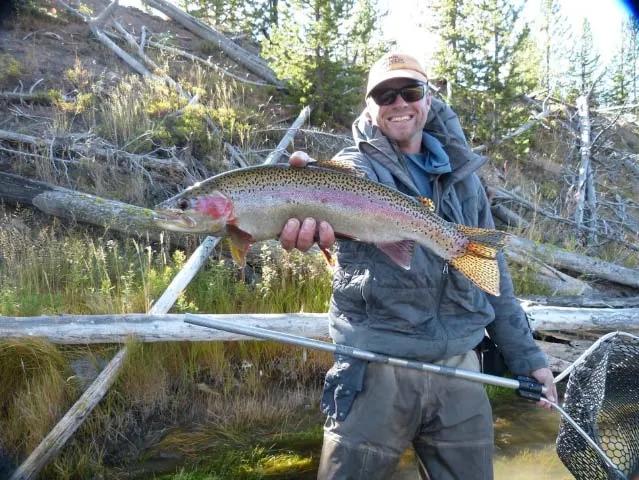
{"type": "Point", "coordinates": [175, 220]}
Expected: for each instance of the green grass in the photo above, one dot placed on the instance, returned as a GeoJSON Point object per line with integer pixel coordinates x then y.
{"type": "Point", "coordinates": [226, 387]}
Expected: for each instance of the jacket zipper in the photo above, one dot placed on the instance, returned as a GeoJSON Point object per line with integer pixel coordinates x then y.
{"type": "Point", "coordinates": [442, 286]}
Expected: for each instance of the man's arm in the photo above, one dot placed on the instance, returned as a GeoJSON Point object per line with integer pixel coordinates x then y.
{"type": "Point", "coordinates": [510, 329]}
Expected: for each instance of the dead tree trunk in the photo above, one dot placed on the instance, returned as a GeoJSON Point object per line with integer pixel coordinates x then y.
{"type": "Point", "coordinates": [234, 51]}
{"type": "Point", "coordinates": [585, 188]}
{"type": "Point", "coordinates": [560, 258]}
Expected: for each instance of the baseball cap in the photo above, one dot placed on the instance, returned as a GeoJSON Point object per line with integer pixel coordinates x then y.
{"type": "Point", "coordinates": [394, 65]}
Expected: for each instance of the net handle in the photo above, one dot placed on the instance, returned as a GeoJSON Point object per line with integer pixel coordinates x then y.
{"type": "Point", "coordinates": [592, 347]}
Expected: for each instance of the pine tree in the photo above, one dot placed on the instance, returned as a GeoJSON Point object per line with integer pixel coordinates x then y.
{"type": "Point", "coordinates": [486, 52]}
{"type": "Point", "coordinates": [323, 57]}
{"type": "Point", "coordinates": [254, 17]}
{"type": "Point", "coordinates": [584, 65]}
{"type": "Point", "coordinates": [555, 35]}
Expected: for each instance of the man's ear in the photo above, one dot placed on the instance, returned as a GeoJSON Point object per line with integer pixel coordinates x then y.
{"type": "Point", "coordinates": [367, 115]}
{"type": "Point", "coordinates": [429, 100]}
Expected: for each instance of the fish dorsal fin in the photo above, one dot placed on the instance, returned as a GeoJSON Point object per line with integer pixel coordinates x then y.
{"type": "Point", "coordinates": [427, 202]}
{"type": "Point", "coordinates": [399, 252]}
{"type": "Point", "coordinates": [339, 165]}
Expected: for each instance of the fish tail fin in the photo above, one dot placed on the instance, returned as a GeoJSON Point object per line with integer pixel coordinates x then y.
{"type": "Point", "coordinates": [482, 271]}
{"type": "Point", "coordinates": [479, 262]}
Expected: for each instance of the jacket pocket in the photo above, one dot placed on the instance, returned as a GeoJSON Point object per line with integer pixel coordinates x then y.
{"type": "Point", "coordinates": [461, 295]}
{"type": "Point", "coordinates": [342, 383]}
{"type": "Point", "coordinates": [404, 310]}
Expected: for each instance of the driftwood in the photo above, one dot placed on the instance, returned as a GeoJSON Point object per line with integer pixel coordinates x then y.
{"type": "Point", "coordinates": [171, 166]}
{"type": "Point", "coordinates": [591, 266]}
{"type": "Point", "coordinates": [508, 217]}
{"type": "Point", "coordinates": [253, 63]}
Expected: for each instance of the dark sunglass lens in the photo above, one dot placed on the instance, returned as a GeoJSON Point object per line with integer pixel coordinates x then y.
{"type": "Point", "coordinates": [413, 93]}
{"type": "Point", "coordinates": [385, 97]}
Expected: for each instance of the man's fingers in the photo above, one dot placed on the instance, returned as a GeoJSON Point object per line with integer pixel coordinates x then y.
{"type": "Point", "coordinates": [306, 237]}
{"type": "Point", "coordinates": [326, 235]}
{"type": "Point", "coordinates": [299, 159]}
{"type": "Point", "coordinates": [290, 232]}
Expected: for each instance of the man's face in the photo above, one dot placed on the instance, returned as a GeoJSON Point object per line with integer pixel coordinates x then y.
{"type": "Point", "coordinates": [400, 121]}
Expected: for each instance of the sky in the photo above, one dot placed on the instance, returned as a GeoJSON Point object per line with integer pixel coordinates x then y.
{"type": "Point", "coordinates": [605, 17]}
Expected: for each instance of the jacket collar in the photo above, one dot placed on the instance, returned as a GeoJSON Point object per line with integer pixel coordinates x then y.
{"type": "Point", "coordinates": [370, 141]}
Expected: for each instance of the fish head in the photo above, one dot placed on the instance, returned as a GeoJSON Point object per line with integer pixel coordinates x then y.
{"type": "Point", "coordinates": [208, 213]}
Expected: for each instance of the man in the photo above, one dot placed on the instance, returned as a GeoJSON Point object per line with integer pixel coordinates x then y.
{"type": "Point", "coordinates": [412, 142]}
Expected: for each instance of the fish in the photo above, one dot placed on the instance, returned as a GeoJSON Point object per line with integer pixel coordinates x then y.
{"type": "Point", "coordinates": [252, 204]}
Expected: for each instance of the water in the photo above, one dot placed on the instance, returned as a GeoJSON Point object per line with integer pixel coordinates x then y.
{"type": "Point", "coordinates": [524, 445]}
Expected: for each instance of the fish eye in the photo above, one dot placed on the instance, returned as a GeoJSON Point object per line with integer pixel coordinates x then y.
{"type": "Point", "coordinates": [183, 204]}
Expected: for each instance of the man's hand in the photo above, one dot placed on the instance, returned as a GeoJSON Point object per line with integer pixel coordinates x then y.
{"type": "Point", "coordinates": [303, 235]}
{"type": "Point", "coordinates": [545, 377]}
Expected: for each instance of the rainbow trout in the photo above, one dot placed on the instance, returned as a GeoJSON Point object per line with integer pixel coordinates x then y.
{"type": "Point", "coordinates": [252, 204]}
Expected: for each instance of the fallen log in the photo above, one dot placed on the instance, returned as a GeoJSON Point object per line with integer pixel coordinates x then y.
{"type": "Point", "coordinates": [159, 327]}
{"type": "Point", "coordinates": [560, 258]}
{"type": "Point", "coordinates": [580, 320]}
{"type": "Point", "coordinates": [82, 207]}
{"type": "Point", "coordinates": [582, 301]}
{"type": "Point", "coordinates": [559, 283]}
{"type": "Point", "coordinates": [88, 329]}
{"type": "Point", "coordinates": [230, 48]}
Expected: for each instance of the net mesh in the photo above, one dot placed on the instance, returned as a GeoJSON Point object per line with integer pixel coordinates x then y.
{"type": "Point", "coordinates": [602, 396]}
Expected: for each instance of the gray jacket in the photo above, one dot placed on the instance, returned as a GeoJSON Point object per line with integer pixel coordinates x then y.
{"type": "Point", "coordinates": [429, 312]}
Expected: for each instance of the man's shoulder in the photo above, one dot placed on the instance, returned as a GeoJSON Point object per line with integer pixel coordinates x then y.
{"type": "Point", "coordinates": [359, 161]}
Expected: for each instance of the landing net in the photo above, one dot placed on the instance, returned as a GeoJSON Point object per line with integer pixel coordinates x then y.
{"type": "Point", "coordinates": [602, 396]}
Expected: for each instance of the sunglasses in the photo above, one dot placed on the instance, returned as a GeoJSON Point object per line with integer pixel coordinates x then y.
{"type": "Point", "coordinates": [410, 93]}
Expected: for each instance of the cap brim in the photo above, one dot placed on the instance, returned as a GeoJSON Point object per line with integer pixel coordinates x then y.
{"type": "Point", "coordinates": [399, 73]}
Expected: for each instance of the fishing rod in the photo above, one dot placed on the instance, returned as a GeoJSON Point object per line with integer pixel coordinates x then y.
{"type": "Point", "coordinates": [526, 387]}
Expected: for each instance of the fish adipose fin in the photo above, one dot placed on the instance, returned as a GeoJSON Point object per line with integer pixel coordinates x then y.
{"type": "Point", "coordinates": [479, 263]}
{"type": "Point", "coordinates": [399, 252]}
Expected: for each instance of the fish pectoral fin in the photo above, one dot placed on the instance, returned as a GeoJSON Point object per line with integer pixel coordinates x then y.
{"type": "Point", "coordinates": [482, 271]}
{"type": "Point", "coordinates": [239, 242]}
{"type": "Point", "coordinates": [399, 252]}
{"type": "Point", "coordinates": [328, 256]}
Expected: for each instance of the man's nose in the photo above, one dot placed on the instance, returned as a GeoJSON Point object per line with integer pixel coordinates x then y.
{"type": "Point", "coordinates": [399, 101]}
